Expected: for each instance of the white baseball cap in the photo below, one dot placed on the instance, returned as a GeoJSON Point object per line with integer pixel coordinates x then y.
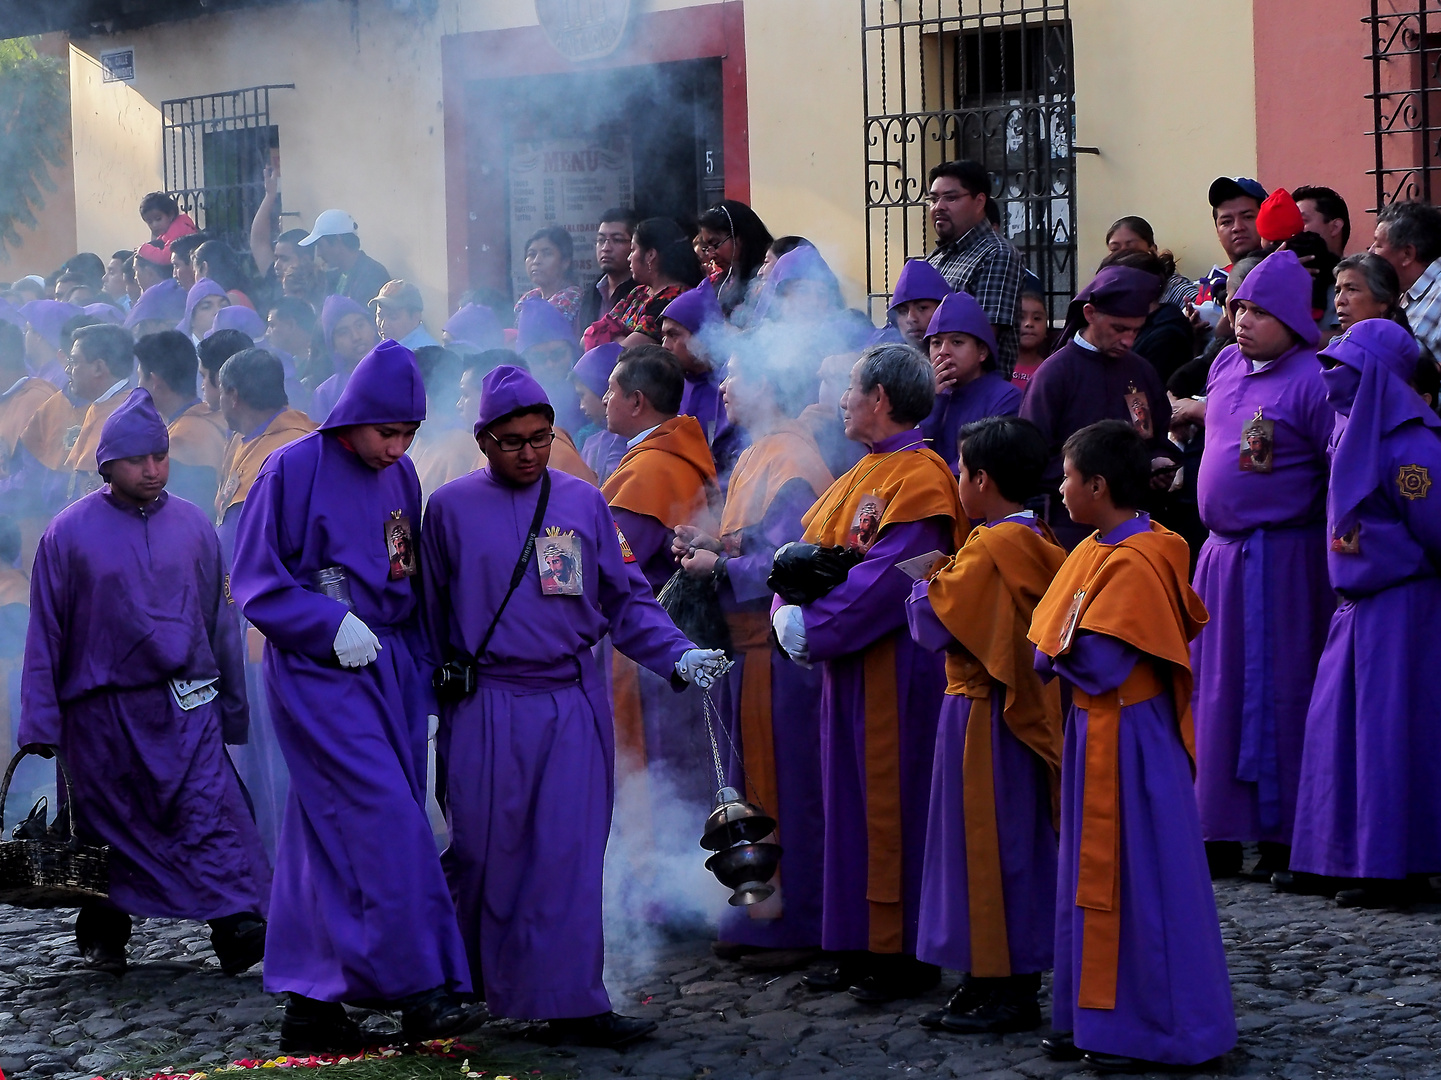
{"type": "Point", "coordinates": [331, 223]}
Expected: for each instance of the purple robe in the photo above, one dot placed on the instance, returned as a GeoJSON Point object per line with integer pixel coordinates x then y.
{"type": "Point", "coordinates": [527, 763]}
{"type": "Point", "coordinates": [360, 907]}
{"type": "Point", "coordinates": [123, 600]}
{"type": "Point", "coordinates": [795, 724]}
{"type": "Point", "coordinates": [1076, 386]}
{"type": "Point", "coordinates": [603, 452]}
{"type": "Point", "coordinates": [327, 394]}
{"type": "Point", "coordinates": [1370, 792]}
{"type": "Point", "coordinates": [1024, 830]}
{"type": "Point", "coordinates": [1262, 576]}
{"type": "Point", "coordinates": [988, 395]}
{"type": "Point", "coordinates": [1173, 993]}
{"type": "Point", "coordinates": [701, 398]}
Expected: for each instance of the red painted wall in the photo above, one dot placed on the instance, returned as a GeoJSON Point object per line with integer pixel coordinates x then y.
{"type": "Point", "coordinates": [1312, 116]}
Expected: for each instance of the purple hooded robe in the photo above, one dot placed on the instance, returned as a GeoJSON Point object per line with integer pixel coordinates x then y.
{"type": "Point", "coordinates": [123, 599]}
{"type": "Point", "coordinates": [360, 907]}
{"type": "Point", "coordinates": [989, 394]}
{"type": "Point", "coordinates": [328, 393]}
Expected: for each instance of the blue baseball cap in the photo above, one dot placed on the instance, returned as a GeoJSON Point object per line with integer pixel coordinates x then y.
{"type": "Point", "coordinates": [1226, 188]}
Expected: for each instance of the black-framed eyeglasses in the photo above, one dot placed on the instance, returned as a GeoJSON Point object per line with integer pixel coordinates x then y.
{"type": "Point", "coordinates": [513, 444]}
{"type": "Point", "coordinates": [949, 197]}
{"type": "Point", "coordinates": [705, 245]}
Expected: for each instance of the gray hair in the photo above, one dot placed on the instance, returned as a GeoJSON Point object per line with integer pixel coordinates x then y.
{"type": "Point", "coordinates": [1413, 224]}
{"type": "Point", "coordinates": [1380, 277]}
{"type": "Point", "coordinates": [906, 376]}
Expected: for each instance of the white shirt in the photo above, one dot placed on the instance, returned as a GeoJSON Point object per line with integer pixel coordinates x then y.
{"type": "Point", "coordinates": [633, 443]}
{"type": "Point", "coordinates": [121, 385]}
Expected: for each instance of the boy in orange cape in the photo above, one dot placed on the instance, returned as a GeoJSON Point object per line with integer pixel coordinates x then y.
{"type": "Point", "coordinates": [1140, 968]}
{"type": "Point", "coordinates": [988, 890]}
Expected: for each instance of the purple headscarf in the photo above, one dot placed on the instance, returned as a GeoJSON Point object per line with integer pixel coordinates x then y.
{"type": "Point", "coordinates": [508, 389]}
{"type": "Point", "coordinates": [695, 309]}
{"type": "Point", "coordinates": [1282, 286]}
{"type": "Point", "coordinates": [1120, 291]}
{"type": "Point", "coordinates": [134, 429]}
{"type": "Point", "coordinates": [162, 302]}
{"type": "Point", "coordinates": [46, 317]}
{"type": "Point", "coordinates": [238, 317]}
{"type": "Point", "coordinates": [476, 325]}
{"type": "Point", "coordinates": [593, 369]}
{"type": "Point", "coordinates": [959, 313]}
{"type": "Point", "coordinates": [335, 308]}
{"type": "Point", "coordinates": [1375, 362]}
{"type": "Point", "coordinates": [919, 280]}
{"type": "Point", "coordinates": [199, 291]}
{"type": "Point", "coordinates": [799, 264]}
{"type": "Point", "coordinates": [106, 313]}
{"type": "Point", "coordinates": [539, 322]}
{"type": "Point", "coordinates": [384, 388]}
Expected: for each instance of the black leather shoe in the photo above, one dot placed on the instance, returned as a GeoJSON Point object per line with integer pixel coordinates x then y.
{"type": "Point", "coordinates": [1299, 883]}
{"type": "Point", "coordinates": [895, 977]}
{"type": "Point", "coordinates": [1274, 857]}
{"type": "Point", "coordinates": [609, 1030]}
{"type": "Point", "coordinates": [971, 993]}
{"type": "Point", "coordinates": [437, 1014]}
{"type": "Point", "coordinates": [1013, 1007]}
{"type": "Point", "coordinates": [1061, 1047]}
{"type": "Point", "coordinates": [104, 957]}
{"type": "Point", "coordinates": [1224, 858]}
{"type": "Point", "coordinates": [1376, 893]}
{"type": "Point", "coordinates": [843, 972]}
{"type": "Point", "coordinates": [318, 1027]}
{"type": "Point", "coordinates": [731, 950]}
{"type": "Point", "coordinates": [238, 941]}
{"type": "Point", "coordinates": [1119, 1063]}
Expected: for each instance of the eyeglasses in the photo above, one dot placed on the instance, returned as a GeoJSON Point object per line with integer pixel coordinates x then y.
{"type": "Point", "coordinates": [513, 444]}
{"type": "Point", "coordinates": [716, 246]}
{"type": "Point", "coordinates": [949, 197]}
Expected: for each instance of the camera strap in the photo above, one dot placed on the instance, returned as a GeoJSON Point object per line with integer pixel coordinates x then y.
{"type": "Point", "coordinates": [519, 572]}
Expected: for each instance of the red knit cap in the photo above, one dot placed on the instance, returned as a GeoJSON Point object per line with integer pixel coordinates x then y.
{"type": "Point", "coordinates": [1279, 217]}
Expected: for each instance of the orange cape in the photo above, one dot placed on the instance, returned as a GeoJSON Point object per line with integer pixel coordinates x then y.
{"type": "Point", "coordinates": [1136, 591]}
{"type": "Point", "coordinates": [985, 596]}
{"type": "Point", "coordinates": [243, 459]}
{"type": "Point", "coordinates": [916, 485]}
{"type": "Point", "coordinates": [443, 454]}
{"type": "Point", "coordinates": [16, 411]}
{"type": "Point", "coordinates": [669, 475]}
{"type": "Point", "coordinates": [767, 465]}
{"type": "Point", "coordinates": [80, 462]}
{"type": "Point", "coordinates": [196, 440]}
{"type": "Point", "coordinates": [52, 431]}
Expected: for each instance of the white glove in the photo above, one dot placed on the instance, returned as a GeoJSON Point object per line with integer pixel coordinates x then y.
{"type": "Point", "coordinates": [790, 626]}
{"type": "Point", "coordinates": [355, 645]}
{"type": "Point", "coordinates": [701, 667]}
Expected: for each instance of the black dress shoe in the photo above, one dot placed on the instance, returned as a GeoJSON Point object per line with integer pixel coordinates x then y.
{"type": "Point", "coordinates": [1224, 858]}
{"type": "Point", "coordinates": [238, 941]}
{"type": "Point", "coordinates": [319, 1027]}
{"type": "Point", "coordinates": [1119, 1063]}
{"type": "Point", "coordinates": [1274, 857]}
{"type": "Point", "coordinates": [105, 957]}
{"type": "Point", "coordinates": [1375, 893]}
{"type": "Point", "coordinates": [1061, 1047]}
{"type": "Point", "coordinates": [895, 977]}
{"type": "Point", "coordinates": [730, 950]}
{"type": "Point", "coordinates": [971, 993]}
{"type": "Point", "coordinates": [844, 971]}
{"type": "Point", "coordinates": [437, 1014]}
{"type": "Point", "coordinates": [609, 1030]}
{"type": "Point", "coordinates": [1011, 1008]}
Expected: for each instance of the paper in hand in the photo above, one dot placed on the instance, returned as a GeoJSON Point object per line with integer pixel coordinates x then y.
{"type": "Point", "coordinates": [920, 567]}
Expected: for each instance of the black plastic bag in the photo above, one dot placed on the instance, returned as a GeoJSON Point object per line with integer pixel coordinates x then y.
{"type": "Point", "coordinates": [802, 573]}
{"type": "Point", "coordinates": [695, 609]}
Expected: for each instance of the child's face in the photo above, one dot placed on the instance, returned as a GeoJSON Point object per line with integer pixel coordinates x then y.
{"type": "Point", "coordinates": [1032, 331]}
{"type": "Point", "coordinates": [591, 405]}
{"type": "Point", "coordinates": [972, 493]}
{"type": "Point", "coordinates": [1080, 495]}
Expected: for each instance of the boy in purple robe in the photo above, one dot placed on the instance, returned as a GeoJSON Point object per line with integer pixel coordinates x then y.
{"type": "Point", "coordinates": [691, 328]}
{"type": "Point", "coordinates": [349, 336]}
{"type": "Point", "coordinates": [962, 347]}
{"type": "Point", "coordinates": [1369, 804]}
{"type": "Point", "coordinates": [133, 670]}
{"type": "Point", "coordinates": [920, 288]}
{"type": "Point", "coordinates": [527, 758]}
{"type": "Point", "coordinates": [324, 558]}
{"type": "Point", "coordinates": [602, 449]}
{"type": "Point", "coordinates": [1262, 572]}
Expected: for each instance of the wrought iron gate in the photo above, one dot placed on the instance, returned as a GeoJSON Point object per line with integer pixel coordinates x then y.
{"type": "Point", "coordinates": [989, 80]}
{"type": "Point", "coordinates": [1406, 98]}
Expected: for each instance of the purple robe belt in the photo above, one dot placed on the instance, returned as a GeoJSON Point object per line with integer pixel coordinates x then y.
{"type": "Point", "coordinates": [532, 677]}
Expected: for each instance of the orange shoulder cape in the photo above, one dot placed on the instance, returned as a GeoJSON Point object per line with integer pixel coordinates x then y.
{"type": "Point", "coordinates": [14, 585]}
{"type": "Point", "coordinates": [17, 409]}
{"type": "Point", "coordinates": [912, 484]}
{"type": "Point", "coordinates": [196, 440]}
{"type": "Point", "coordinates": [669, 475]}
{"type": "Point", "coordinates": [442, 455]}
{"type": "Point", "coordinates": [767, 465]}
{"type": "Point", "coordinates": [564, 457]}
{"type": "Point", "coordinates": [243, 459]}
{"type": "Point", "coordinates": [52, 431]}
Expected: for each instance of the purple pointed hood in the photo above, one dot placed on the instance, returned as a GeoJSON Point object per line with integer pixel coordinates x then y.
{"type": "Point", "coordinates": [106, 313]}
{"type": "Point", "coordinates": [959, 313]}
{"type": "Point", "coordinates": [919, 280]}
{"type": "Point", "coordinates": [476, 325]}
{"type": "Point", "coordinates": [46, 317]}
{"type": "Point", "coordinates": [539, 322]}
{"type": "Point", "coordinates": [335, 308]}
{"type": "Point", "coordinates": [134, 429]}
{"type": "Point", "coordinates": [384, 388]}
{"type": "Point", "coordinates": [238, 317]}
{"type": "Point", "coordinates": [11, 314]}
{"type": "Point", "coordinates": [696, 309]}
{"type": "Point", "coordinates": [163, 301]}
{"type": "Point", "coordinates": [198, 292]}
{"type": "Point", "coordinates": [1282, 286]}
{"type": "Point", "coordinates": [799, 264]}
{"type": "Point", "coordinates": [593, 369]}
{"type": "Point", "coordinates": [509, 389]}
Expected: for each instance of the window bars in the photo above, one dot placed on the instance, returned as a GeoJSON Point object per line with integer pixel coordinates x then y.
{"type": "Point", "coordinates": [990, 80]}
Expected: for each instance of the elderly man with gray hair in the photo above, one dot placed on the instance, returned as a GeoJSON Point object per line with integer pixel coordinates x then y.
{"type": "Point", "coordinates": [897, 510]}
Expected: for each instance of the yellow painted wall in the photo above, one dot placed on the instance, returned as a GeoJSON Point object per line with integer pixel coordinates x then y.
{"type": "Point", "coordinates": [1168, 92]}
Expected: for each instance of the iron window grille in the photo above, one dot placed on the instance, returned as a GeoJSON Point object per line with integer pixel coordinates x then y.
{"type": "Point", "coordinates": [215, 148]}
{"type": "Point", "coordinates": [990, 80]}
{"type": "Point", "coordinates": [1405, 97]}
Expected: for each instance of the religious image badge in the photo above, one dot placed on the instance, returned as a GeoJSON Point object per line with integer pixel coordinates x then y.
{"type": "Point", "coordinates": [1413, 481]}
{"type": "Point", "coordinates": [866, 525]}
{"type": "Point", "coordinates": [1138, 407]}
{"type": "Point", "coordinates": [399, 546]}
{"type": "Point", "coordinates": [1258, 444]}
{"type": "Point", "coordinates": [625, 552]}
{"type": "Point", "coordinates": [1073, 618]}
{"type": "Point", "coordinates": [1349, 542]}
{"type": "Point", "coordinates": [560, 567]}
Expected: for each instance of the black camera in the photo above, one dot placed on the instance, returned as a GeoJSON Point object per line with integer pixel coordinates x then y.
{"type": "Point", "coordinates": [454, 681]}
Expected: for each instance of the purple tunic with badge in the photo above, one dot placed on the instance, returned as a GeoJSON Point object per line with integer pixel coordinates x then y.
{"type": "Point", "coordinates": [123, 600]}
{"type": "Point", "coordinates": [360, 907]}
{"type": "Point", "coordinates": [1370, 795]}
{"type": "Point", "coordinates": [988, 395]}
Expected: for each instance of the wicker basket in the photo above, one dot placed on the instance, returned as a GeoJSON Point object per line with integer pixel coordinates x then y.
{"type": "Point", "coordinates": [53, 871]}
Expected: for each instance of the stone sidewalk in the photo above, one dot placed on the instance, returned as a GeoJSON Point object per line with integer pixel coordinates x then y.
{"type": "Point", "coordinates": [1320, 991]}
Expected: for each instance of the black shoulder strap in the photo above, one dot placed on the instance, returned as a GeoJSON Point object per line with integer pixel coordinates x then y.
{"type": "Point", "coordinates": [519, 572]}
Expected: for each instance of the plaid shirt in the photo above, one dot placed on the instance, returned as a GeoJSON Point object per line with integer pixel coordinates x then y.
{"type": "Point", "coordinates": [1422, 302]}
{"type": "Point", "coordinates": [984, 264]}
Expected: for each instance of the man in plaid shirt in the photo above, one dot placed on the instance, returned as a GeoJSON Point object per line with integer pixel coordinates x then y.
{"type": "Point", "coordinates": [971, 255]}
{"type": "Point", "coordinates": [1408, 236]}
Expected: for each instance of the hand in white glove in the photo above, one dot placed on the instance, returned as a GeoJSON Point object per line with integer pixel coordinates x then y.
{"type": "Point", "coordinates": [790, 626]}
{"type": "Point", "coordinates": [355, 645]}
{"type": "Point", "coordinates": [701, 667]}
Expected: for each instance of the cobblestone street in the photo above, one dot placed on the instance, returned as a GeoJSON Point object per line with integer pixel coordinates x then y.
{"type": "Point", "coordinates": [1320, 991]}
